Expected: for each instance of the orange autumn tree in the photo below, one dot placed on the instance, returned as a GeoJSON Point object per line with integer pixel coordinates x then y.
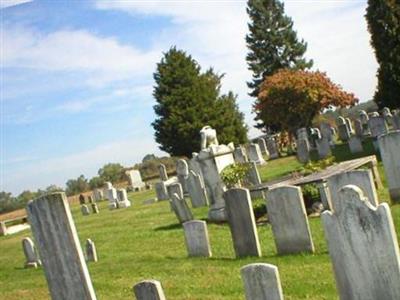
{"type": "Point", "coordinates": [290, 99]}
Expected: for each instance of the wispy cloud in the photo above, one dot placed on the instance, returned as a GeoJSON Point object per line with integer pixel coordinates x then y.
{"type": "Point", "coordinates": [9, 3]}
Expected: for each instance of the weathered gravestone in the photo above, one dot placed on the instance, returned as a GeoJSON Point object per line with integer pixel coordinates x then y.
{"type": "Point", "coordinates": [288, 218]}
{"type": "Point", "coordinates": [263, 146]}
{"type": "Point", "coordinates": [175, 188]}
{"type": "Point", "coordinates": [355, 144]}
{"type": "Point", "coordinates": [364, 122]}
{"type": "Point", "coordinates": [389, 147]}
{"type": "Point", "coordinates": [197, 190]}
{"type": "Point", "coordinates": [58, 243]}
{"type": "Point", "coordinates": [254, 154]}
{"type": "Point", "coordinates": [303, 150]}
{"type": "Point", "coordinates": [363, 247]}
{"type": "Point", "coordinates": [377, 126]}
{"type": "Point", "coordinates": [253, 178]}
{"type": "Point", "coordinates": [387, 115]}
{"type": "Point", "coordinates": [240, 155]}
{"type": "Point", "coordinates": [242, 222]}
{"type": "Point", "coordinates": [261, 282]}
{"type": "Point", "coordinates": [181, 209]}
{"type": "Point", "coordinates": [91, 253]}
{"type": "Point", "coordinates": [326, 132]}
{"type": "Point", "coordinates": [149, 290]}
{"type": "Point", "coordinates": [85, 210]}
{"type": "Point", "coordinates": [135, 180]}
{"type": "Point", "coordinates": [272, 148]}
{"type": "Point", "coordinates": [360, 178]}
{"type": "Point", "coordinates": [358, 128]}
{"type": "Point", "coordinates": [323, 148]}
{"type": "Point", "coordinates": [182, 171]}
{"type": "Point", "coordinates": [161, 191]}
{"type": "Point", "coordinates": [123, 201]}
{"type": "Point", "coordinates": [3, 229]}
{"type": "Point", "coordinates": [95, 208]}
{"type": "Point", "coordinates": [31, 255]}
{"type": "Point", "coordinates": [196, 238]}
{"type": "Point", "coordinates": [163, 172]}
{"type": "Point", "coordinates": [98, 195]}
{"type": "Point", "coordinates": [343, 129]}
{"type": "Point", "coordinates": [81, 199]}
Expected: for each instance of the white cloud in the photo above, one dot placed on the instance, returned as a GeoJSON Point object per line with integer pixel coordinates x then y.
{"type": "Point", "coordinates": [9, 3]}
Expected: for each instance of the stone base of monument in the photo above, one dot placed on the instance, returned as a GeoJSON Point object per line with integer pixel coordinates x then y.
{"type": "Point", "coordinates": [124, 204]}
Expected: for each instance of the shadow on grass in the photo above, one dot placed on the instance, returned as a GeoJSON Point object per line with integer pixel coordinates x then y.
{"type": "Point", "coordinates": [169, 227]}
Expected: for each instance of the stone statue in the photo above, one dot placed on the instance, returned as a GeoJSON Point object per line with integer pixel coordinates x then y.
{"type": "Point", "coordinates": [208, 137]}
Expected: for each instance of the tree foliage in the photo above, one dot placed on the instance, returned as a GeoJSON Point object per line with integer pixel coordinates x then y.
{"type": "Point", "coordinates": [272, 42]}
{"type": "Point", "coordinates": [383, 17]}
{"type": "Point", "coordinates": [292, 98]}
{"type": "Point", "coordinates": [112, 172]}
{"type": "Point", "coordinates": [188, 99]}
{"type": "Point", "coordinates": [76, 186]}
{"type": "Point", "coordinates": [96, 182]}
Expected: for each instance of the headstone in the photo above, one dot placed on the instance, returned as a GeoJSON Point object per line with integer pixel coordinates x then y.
{"type": "Point", "coordinates": [363, 179]}
{"type": "Point", "coordinates": [123, 201]}
{"type": "Point", "coordinates": [85, 210]}
{"type": "Point", "coordinates": [349, 125]}
{"type": "Point", "coordinates": [3, 229]}
{"type": "Point", "coordinates": [261, 282]}
{"type": "Point", "coordinates": [212, 161]}
{"type": "Point", "coordinates": [272, 148]}
{"type": "Point", "coordinates": [161, 191]}
{"type": "Point", "coordinates": [301, 133]}
{"type": "Point", "coordinates": [53, 228]}
{"type": "Point", "coordinates": [91, 200]}
{"type": "Point", "coordinates": [315, 135]}
{"type": "Point", "coordinates": [197, 190]}
{"type": "Point", "coordinates": [98, 195]}
{"type": "Point", "coordinates": [240, 155]}
{"type": "Point", "coordinates": [377, 126]}
{"type": "Point", "coordinates": [323, 148]}
{"type": "Point", "coordinates": [303, 151]}
{"type": "Point", "coordinates": [108, 185]}
{"type": "Point", "coordinates": [355, 144]}
{"type": "Point", "coordinates": [389, 147]}
{"type": "Point", "coordinates": [396, 120]}
{"type": "Point", "coordinates": [135, 180]}
{"type": "Point", "coordinates": [263, 146]}
{"type": "Point", "coordinates": [91, 253]}
{"type": "Point", "coordinates": [254, 154]}
{"type": "Point", "coordinates": [163, 172]}
{"type": "Point", "coordinates": [325, 196]}
{"type": "Point", "coordinates": [363, 247]}
{"type": "Point", "coordinates": [326, 132]}
{"type": "Point", "coordinates": [242, 222]}
{"type": "Point", "coordinates": [182, 171]}
{"type": "Point", "coordinates": [252, 179]}
{"type": "Point", "coordinates": [181, 209]}
{"type": "Point", "coordinates": [95, 208]}
{"type": "Point", "coordinates": [358, 128]}
{"type": "Point", "coordinates": [288, 218]}
{"type": "Point", "coordinates": [149, 290]}
{"type": "Point", "coordinates": [81, 199]}
{"type": "Point", "coordinates": [110, 192]}
{"type": "Point", "coordinates": [196, 238]}
{"type": "Point", "coordinates": [344, 132]}
{"type": "Point", "coordinates": [387, 115]}
{"type": "Point", "coordinates": [175, 188]}
{"type": "Point", "coordinates": [31, 255]}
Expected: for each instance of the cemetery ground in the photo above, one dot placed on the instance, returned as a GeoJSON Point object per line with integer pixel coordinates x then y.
{"type": "Point", "coordinates": [147, 242]}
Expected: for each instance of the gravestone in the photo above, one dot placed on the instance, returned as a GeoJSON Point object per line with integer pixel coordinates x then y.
{"type": "Point", "coordinates": [355, 144]}
{"type": "Point", "coordinates": [196, 238]}
{"type": "Point", "coordinates": [181, 209]}
{"type": "Point", "coordinates": [3, 229]}
{"type": "Point", "coordinates": [253, 178]}
{"type": "Point", "coordinates": [31, 255]}
{"type": "Point", "coordinates": [242, 222]}
{"type": "Point", "coordinates": [303, 151]}
{"type": "Point", "coordinates": [363, 247]}
{"type": "Point", "coordinates": [261, 282]}
{"type": "Point", "coordinates": [123, 201]}
{"type": "Point", "coordinates": [387, 115]}
{"type": "Point", "coordinates": [272, 148]}
{"type": "Point", "coordinates": [358, 128]}
{"type": "Point", "coordinates": [389, 147]}
{"type": "Point", "coordinates": [301, 133]}
{"type": "Point", "coordinates": [85, 210]}
{"type": "Point", "coordinates": [323, 148]}
{"type": "Point", "coordinates": [161, 191]}
{"type": "Point", "coordinates": [90, 199]}
{"type": "Point", "coordinates": [349, 125]}
{"type": "Point", "coordinates": [182, 171]}
{"type": "Point", "coordinates": [163, 172]}
{"type": "Point", "coordinates": [196, 189]}
{"type": "Point", "coordinates": [344, 132]}
{"type": "Point", "coordinates": [240, 155]}
{"type": "Point", "coordinates": [288, 218]}
{"type": "Point", "coordinates": [396, 120]}
{"type": "Point", "coordinates": [263, 146]}
{"type": "Point", "coordinates": [148, 290]}
{"type": "Point", "coordinates": [364, 122]}
{"type": "Point", "coordinates": [377, 126]}
{"type": "Point", "coordinates": [135, 180]}
{"type": "Point", "coordinates": [81, 199]}
{"type": "Point", "coordinates": [326, 132]}
{"type": "Point", "coordinates": [95, 208]}
{"type": "Point", "coordinates": [108, 185]}
{"type": "Point", "coordinates": [325, 196]}
{"type": "Point", "coordinates": [254, 154]}
{"type": "Point", "coordinates": [53, 228]}
{"type": "Point", "coordinates": [175, 188]}
{"type": "Point", "coordinates": [98, 195]}
{"type": "Point", "coordinates": [363, 179]}
{"type": "Point", "coordinates": [194, 165]}
{"type": "Point", "coordinates": [91, 253]}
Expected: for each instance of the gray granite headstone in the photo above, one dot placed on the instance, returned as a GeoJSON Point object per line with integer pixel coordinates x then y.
{"type": "Point", "coordinates": [161, 191]}
{"type": "Point", "coordinates": [263, 146]}
{"type": "Point", "coordinates": [254, 154]}
{"type": "Point", "coordinates": [149, 290]}
{"type": "Point", "coordinates": [181, 209]}
{"type": "Point", "coordinates": [91, 253]}
{"type": "Point", "coordinates": [85, 210]}
{"type": "Point", "coordinates": [197, 190]}
{"type": "Point", "coordinates": [163, 172]}
{"type": "Point", "coordinates": [363, 247]}
{"type": "Point", "coordinates": [272, 148]}
{"type": "Point", "coordinates": [323, 148]}
{"type": "Point", "coordinates": [240, 155]}
{"type": "Point", "coordinates": [175, 188]}
{"type": "Point", "coordinates": [196, 238]}
{"type": "Point", "coordinates": [31, 255]}
{"type": "Point", "coordinates": [303, 151]}
{"type": "Point", "coordinates": [355, 144]}
{"type": "Point", "coordinates": [377, 126]}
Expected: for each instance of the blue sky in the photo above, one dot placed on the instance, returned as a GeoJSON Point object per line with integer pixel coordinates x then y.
{"type": "Point", "coordinates": [76, 76]}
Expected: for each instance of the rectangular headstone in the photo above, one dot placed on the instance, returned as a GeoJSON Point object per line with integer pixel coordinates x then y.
{"type": "Point", "coordinates": [254, 154]}
{"type": "Point", "coordinates": [261, 282]}
{"type": "Point", "coordinates": [242, 222]}
{"type": "Point", "coordinates": [377, 126]}
{"type": "Point", "coordinates": [240, 155]}
{"type": "Point", "coordinates": [197, 190]}
{"type": "Point", "coordinates": [175, 188]}
{"type": "Point", "coordinates": [288, 218]}
{"type": "Point", "coordinates": [363, 247]}
{"type": "Point", "coordinates": [263, 146]}
{"type": "Point", "coordinates": [181, 209]}
{"type": "Point", "coordinates": [135, 180]}
{"type": "Point", "coordinates": [323, 148]}
{"type": "Point", "coordinates": [163, 172]}
{"type": "Point", "coordinates": [57, 240]}
{"type": "Point", "coordinates": [389, 147]}
{"type": "Point", "coordinates": [91, 253]}
{"type": "Point", "coordinates": [149, 290]}
{"type": "Point", "coordinates": [303, 150]}
{"type": "Point", "coordinates": [161, 191]}
{"type": "Point", "coordinates": [31, 255]}
{"type": "Point", "coordinates": [355, 144]}
{"type": "Point", "coordinates": [272, 148]}
{"type": "Point", "coordinates": [196, 238]}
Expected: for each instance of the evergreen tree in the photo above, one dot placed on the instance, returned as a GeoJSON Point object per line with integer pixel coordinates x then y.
{"type": "Point", "coordinates": [383, 17]}
{"type": "Point", "coordinates": [272, 43]}
{"type": "Point", "coordinates": [187, 100]}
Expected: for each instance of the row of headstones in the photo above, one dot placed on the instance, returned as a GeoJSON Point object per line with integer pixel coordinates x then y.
{"type": "Point", "coordinates": [33, 259]}
{"type": "Point", "coordinates": [117, 198]}
{"type": "Point", "coordinates": [255, 152]}
{"type": "Point", "coordinates": [260, 280]}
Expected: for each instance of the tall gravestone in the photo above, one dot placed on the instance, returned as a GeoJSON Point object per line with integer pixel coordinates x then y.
{"type": "Point", "coordinates": [242, 222]}
{"type": "Point", "coordinates": [135, 179]}
{"type": "Point", "coordinates": [288, 218]}
{"type": "Point", "coordinates": [343, 129]}
{"type": "Point", "coordinates": [181, 209]}
{"type": "Point", "coordinates": [196, 238]}
{"type": "Point", "coordinates": [182, 171]}
{"type": "Point", "coordinates": [149, 290]}
{"type": "Point", "coordinates": [355, 144]}
{"type": "Point", "coordinates": [261, 282]}
{"type": "Point", "coordinates": [303, 150]}
{"type": "Point", "coordinates": [358, 128]}
{"type": "Point", "coordinates": [363, 247]}
{"type": "Point", "coordinates": [389, 147]}
{"type": "Point", "coordinates": [254, 154]}
{"type": "Point", "coordinates": [263, 146]}
{"type": "Point", "coordinates": [161, 191]}
{"type": "Point", "coordinates": [323, 147]}
{"type": "Point", "coordinates": [240, 155]}
{"type": "Point", "coordinates": [377, 126]}
{"type": "Point", "coordinates": [253, 179]}
{"type": "Point", "coordinates": [363, 116]}
{"type": "Point", "coordinates": [162, 170]}
{"type": "Point", "coordinates": [197, 190]}
{"type": "Point", "coordinates": [272, 148]}
{"type": "Point", "coordinates": [326, 132]}
{"type": "Point", "coordinates": [360, 178]}
{"type": "Point", "coordinates": [31, 255]}
{"type": "Point", "coordinates": [61, 254]}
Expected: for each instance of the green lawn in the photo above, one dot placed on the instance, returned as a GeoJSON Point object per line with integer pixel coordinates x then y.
{"type": "Point", "coordinates": [145, 241]}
